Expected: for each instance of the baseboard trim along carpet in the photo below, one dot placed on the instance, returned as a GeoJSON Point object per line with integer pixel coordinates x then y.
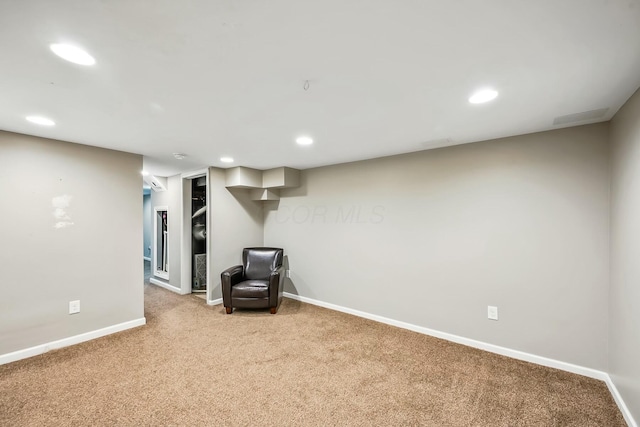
{"type": "Point", "coordinates": [515, 354]}
{"type": "Point", "coordinates": [65, 342]}
{"type": "Point", "coordinates": [215, 301]}
{"type": "Point", "coordinates": [620, 402]}
{"type": "Point", "coordinates": [165, 285]}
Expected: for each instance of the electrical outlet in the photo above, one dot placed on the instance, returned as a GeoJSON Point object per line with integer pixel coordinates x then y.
{"type": "Point", "coordinates": [492, 312]}
{"type": "Point", "coordinates": [74, 307]}
{"type": "Point", "coordinates": [287, 273]}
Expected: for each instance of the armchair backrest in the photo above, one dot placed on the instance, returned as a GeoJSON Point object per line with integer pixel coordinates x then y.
{"type": "Point", "coordinates": [259, 262]}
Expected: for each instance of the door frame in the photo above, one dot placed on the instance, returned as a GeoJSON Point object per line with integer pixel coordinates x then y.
{"type": "Point", "coordinates": [185, 241]}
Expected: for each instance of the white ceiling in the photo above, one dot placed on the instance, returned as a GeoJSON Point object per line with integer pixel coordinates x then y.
{"type": "Point", "coordinates": [225, 78]}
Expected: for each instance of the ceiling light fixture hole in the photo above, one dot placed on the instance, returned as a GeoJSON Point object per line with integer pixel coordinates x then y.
{"type": "Point", "coordinates": [304, 140]}
{"type": "Point", "coordinates": [483, 95]}
{"type": "Point", "coordinates": [72, 54]}
{"type": "Point", "coordinates": [40, 120]}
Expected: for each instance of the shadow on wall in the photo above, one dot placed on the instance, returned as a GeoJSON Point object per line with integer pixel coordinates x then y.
{"type": "Point", "coordinates": [289, 286]}
{"type": "Point", "coordinates": [271, 205]}
{"type": "Point", "coordinates": [243, 197]}
{"type": "Point", "coordinates": [217, 289]}
{"type": "Point", "coordinates": [293, 306]}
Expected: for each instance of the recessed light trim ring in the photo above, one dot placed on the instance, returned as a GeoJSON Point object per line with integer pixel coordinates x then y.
{"type": "Point", "coordinates": [72, 54]}
{"type": "Point", "coordinates": [40, 120]}
{"type": "Point", "coordinates": [483, 95]}
{"type": "Point", "coordinates": [304, 140]}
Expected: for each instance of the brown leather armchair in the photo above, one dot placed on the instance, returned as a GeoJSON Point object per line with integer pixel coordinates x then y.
{"type": "Point", "coordinates": [257, 283]}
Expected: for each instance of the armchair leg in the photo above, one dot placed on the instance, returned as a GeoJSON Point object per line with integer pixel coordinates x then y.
{"type": "Point", "coordinates": [229, 310]}
{"type": "Point", "coordinates": [274, 310]}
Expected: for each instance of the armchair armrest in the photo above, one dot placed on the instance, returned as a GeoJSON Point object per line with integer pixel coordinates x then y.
{"type": "Point", "coordinates": [233, 273]}
{"type": "Point", "coordinates": [276, 286]}
{"type": "Point", "coordinates": [228, 278]}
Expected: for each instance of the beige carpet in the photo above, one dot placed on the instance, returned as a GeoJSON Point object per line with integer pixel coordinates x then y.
{"type": "Point", "coordinates": [200, 295]}
{"type": "Point", "coordinates": [193, 365]}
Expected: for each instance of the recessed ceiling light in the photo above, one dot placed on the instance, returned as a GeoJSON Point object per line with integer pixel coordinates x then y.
{"type": "Point", "coordinates": [144, 173]}
{"type": "Point", "coordinates": [226, 159]}
{"type": "Point", "coordinates": [179, 156]}
{"type": "Point", "coordinates": [39, 120]}
{"type": "Point", "coordinates": [72, 54]}
{"type": "Point", "coordinates": [482, 96]}
{"type": "Point", "coordinates": [304, 140]}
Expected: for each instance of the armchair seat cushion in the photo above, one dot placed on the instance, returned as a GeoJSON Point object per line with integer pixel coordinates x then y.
{"type": "Point", "coordinates": [251, 289]}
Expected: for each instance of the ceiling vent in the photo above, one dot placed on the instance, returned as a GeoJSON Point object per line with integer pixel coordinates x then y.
{"type": "Point", "coordinates": [580, 117]}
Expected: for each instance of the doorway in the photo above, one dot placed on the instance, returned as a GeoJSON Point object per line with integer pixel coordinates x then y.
{"type": "Point", "coordinates": [199, 234]}
{"type": "Point", "coordinates": [195, 240]}
{"type": "Point", "coordinates": [161, 242]}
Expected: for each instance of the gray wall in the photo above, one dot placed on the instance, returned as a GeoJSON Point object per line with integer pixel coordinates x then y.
{"type": "Point", "coordinates": [172, 199]}
{"type": "Point", "coordinates": [624, 323]}
{"type": "Point", "coordinates": [93, 255]}
{"type": "Point", "coordinates": [433, 237]}
{"type": "Point", "coordinates": [236, 222]}
{"type": "Point", "coordinates": [147, 225]}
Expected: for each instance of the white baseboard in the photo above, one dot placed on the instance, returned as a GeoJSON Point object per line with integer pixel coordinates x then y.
{"type": "Point", "coordinates": [620, 402]}
{"type": "Point", "coordinates": [515, 354]}
{"type": "Point", "coordinates": [215, 301]}
{"type": "Point", "coordinates": [146, 258]}
{"type": "Point", "coordinates": [65, 342]}
{"type": "Point", "coordinates": [165, 285]}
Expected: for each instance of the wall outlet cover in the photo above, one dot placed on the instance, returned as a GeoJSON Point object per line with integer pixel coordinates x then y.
{"type": "Point", "coordinates": [492, 312]}
{"type": "Point", "coordinates": [74, 307]}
